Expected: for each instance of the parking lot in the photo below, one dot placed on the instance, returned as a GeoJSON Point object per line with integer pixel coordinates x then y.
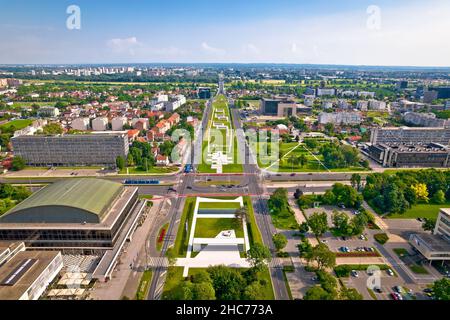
{"type": "Point", "coordinates": [387, 284]}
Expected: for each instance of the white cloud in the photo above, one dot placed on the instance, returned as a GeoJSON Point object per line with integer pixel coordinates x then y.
{"type": "Point", "coordinates": [216, 51]}
{"type": "Point", "coordinates": [251, 49]}
{"type": "Point", "coordinates": [126, 45]}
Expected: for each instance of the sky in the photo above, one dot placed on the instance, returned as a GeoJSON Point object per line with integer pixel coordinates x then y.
{"type": "Point", "coordinates": [345, 32]}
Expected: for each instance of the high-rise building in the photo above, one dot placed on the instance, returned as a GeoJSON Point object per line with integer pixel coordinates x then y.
{"type": "Point", "coordinates": [92, 149]}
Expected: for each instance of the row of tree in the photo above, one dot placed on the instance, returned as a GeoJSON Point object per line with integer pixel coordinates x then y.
{"type": "Point", "coordinates": [397, 192]}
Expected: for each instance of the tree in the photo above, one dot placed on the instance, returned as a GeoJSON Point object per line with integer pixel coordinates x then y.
{"type": "Point", "coordinates": [356, 181]}
{"type": "Point", "coordinates": [52, 128]}
{"type": "Point", "coordinates": [6, 190]}
{"type": "Point", "coordinates": [203, 291]}
{"type": "Point", "coordinates": [441, 289]}
{"type": "Point", "coordinates": [294, 160]}
{"type": "Point", "coordinates": [323, 256]}
{"type": "Point", "coordinates": [303, 160]}
{"type": "Point", "coordinates": [303, 228]}
{"type": "Point", "coordinates": [316, 293]}
{"type": "Point", "coordinates": [350, 294]}
{"type": "Point", "coordinates": [18, 163]}
{"type": "Point", "coordinates": [429, 224]}
{"type": "Point", "coordinates": [318, 223]}
{"type": "Point", "coordinates": [120, 162]}
{"type": "Point", "coordinates": [420, 191]}
{"type": "Point", "coordinates": [254, 291]}
{"type": "Point", "coordinates": [298, 193]}
{"type": "Point", "coordinates": [227, 282]}
{"type": "Point", "coordinates": [130, 160]}
{"type": "Point", "coordinates": [279, 240]}
{"type": "Point", "coordinates": [305, 250]}
{"type": "Point", "coordinates": [438, 197]}
{"type": "Point", "coordinates": [258, 256]}
{"type": "Point", "coordinates": [341, 223]}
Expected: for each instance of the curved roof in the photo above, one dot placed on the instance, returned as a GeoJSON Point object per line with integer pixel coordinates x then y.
{"type": "Point", "coordinates": [85, 198]}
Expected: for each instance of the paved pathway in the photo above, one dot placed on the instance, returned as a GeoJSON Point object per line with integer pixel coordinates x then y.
{"type": "Point", "coordinates": [124, 277]}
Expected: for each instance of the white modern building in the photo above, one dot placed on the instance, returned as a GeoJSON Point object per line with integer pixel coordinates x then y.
{"type": "Point", "coordinates": [118, 123]}
{"type": "Point", "coordinates": [340, 118]}
{"type": "Point", "coordinates": [100, 124]}
{"type": "Point", "coordinates": [435, 246]}
{"type": "Point", "coordinates": [81, 124]}
{"type": "Point", "coordinates": [377, 105]}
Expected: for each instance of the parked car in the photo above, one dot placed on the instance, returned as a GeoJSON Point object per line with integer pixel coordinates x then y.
{"type": "Point", "coordinates": [355, 273]}
{"type": "Point", "coordinates": [394, 296]}
{"type": "Point", "coordinates": [378, 290]}
{"type": "Point", "coordinates": [398, 289]}
{"type": "Point", "coordinates": [390, 272]}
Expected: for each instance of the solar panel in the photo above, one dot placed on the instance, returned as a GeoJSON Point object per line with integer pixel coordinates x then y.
{"type": "Point", "coordinates": [18, 272]}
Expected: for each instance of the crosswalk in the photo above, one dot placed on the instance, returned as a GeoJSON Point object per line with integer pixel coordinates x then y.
{"type": "Point", "coordinates": [157, 262]}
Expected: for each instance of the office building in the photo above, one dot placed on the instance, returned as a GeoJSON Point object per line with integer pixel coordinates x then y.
{"type": "Point", "coordinates": [340, 118]}
{"type": "Point", "coordinates": [407, 135]}
{"type": "Point", "coordinates": [430, 96]}
{"type": "Point", "coordinates": [434, 246]}
{"type": "Point", "coordinates": [92, 149]}
{"type": "Point", "coordinates": [204, 93]}
{"type": "Point", "coordinates": [424, 119]}
{"type": "Point", "coordinates": [48, 111]}
{"type": "Point", "coordinates": [377, 105]}
{"type": "Point", "coordinates": [325, 92]}
{"type": "Point", "coordinates": [410, 155]}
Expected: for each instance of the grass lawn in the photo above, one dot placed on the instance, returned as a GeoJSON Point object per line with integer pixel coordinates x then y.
{"type": "Point", "coordinates": [211, 227]}
{"type": "Point", "coordinates": [144, 285]}
{"type": "Point", "coordinates": [18, 124]}
{"type": "Point", "coordinates": [429, 211]}
{"type": "Point", "coordinates": [219, 205]}
{"type": "Point", "coordinates": [146, 196]}
{"type": "Point", "coordinates": [401, 252]}
{"type": "Point", "coordinates": [284, 220]}
{"type": "Point", "coordinates": [417, 269]}
{"type": "Point", "coordinates": [182, 239]}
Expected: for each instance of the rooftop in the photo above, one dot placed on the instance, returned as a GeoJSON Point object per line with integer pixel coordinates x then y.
{"type": "Point", "coordinates": [435, 243]}
{"type": "Point", "coordinates": [94, 196]}
{"type": "Point", "coordinates": [38, 262]}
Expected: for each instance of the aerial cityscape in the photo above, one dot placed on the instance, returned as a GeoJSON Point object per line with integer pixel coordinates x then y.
{"type": "Point", "coordinates": [133, 169]}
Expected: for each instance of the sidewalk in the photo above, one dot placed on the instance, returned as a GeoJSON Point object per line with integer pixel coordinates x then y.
{"type": "Point", "coordinates": [124, 279]}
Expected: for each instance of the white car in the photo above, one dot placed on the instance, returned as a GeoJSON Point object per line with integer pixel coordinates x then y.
{"type": "Point", "coordinates": [390, 272]}
{"type": "Point", "coordinates": [355, 274]}
{"type": "Point", "coordinates": [226, 233]}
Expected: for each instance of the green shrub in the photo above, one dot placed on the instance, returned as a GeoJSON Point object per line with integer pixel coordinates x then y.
{"type": "Point", "coordinates": [381, 238]}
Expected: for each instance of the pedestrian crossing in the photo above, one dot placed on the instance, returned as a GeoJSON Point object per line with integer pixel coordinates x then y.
{"type": "Point", "coordinates": [157, 262]}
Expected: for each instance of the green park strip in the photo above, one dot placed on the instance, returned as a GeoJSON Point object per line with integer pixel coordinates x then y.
{"type": "Point", "coordinates": [175, 280]}
{"type": "Point", "coordinates": [144, 285]}
{"type": "Point", "coordinates": [217, 140]}
{"type": "Point", "coordinates": [211, 227]}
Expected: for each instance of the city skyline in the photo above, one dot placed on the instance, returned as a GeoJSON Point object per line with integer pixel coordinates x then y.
{"type": "Point", "coordinates": [349, 33]}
